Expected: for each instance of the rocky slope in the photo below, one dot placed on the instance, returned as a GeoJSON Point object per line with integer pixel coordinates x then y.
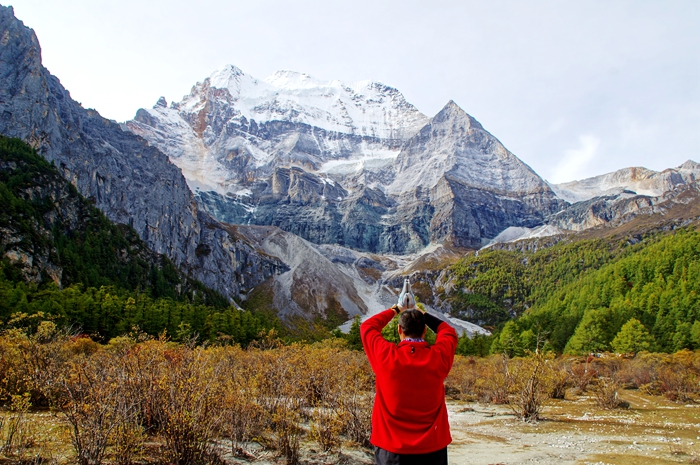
{"type": "Point", "coordinates": [50, 233]}
{"type": "Point", "coordinates": [354, 165]}
{"type": "Point", "coordinates": [640, 181]}
{"type": "Point", "coordinates": [132, 182]}
{"type": "Point", "coordinates": [613, 210]}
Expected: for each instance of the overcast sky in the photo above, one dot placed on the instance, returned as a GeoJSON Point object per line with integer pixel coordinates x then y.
{"type": "Point", "coordinates": [573, 88]}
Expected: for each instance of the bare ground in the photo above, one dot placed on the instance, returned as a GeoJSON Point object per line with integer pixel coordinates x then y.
{"type": "Point", "coordinates": [651, 431]}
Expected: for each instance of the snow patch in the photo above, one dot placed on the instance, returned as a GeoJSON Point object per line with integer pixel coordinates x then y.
{"type": "Point", "coordinates": [516, 233]}
{"type": "Point", "coordinates": [373, 160]}
{"type": "Point", "coordinates": [366, 108]}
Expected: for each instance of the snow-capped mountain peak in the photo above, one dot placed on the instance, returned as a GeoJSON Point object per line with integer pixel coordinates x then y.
{"type": "Point", "coordinates": [454, 143]}
{"type": "Point", "coordinates": [348, 162]}
{"type": "Point", "coordinates": [364, 108]}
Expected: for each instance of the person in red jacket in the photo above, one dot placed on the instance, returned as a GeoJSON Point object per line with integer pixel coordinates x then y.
{"type": "Point", "coordinates": [409, 418]}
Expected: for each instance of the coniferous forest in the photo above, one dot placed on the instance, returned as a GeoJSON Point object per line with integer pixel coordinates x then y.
{"type": "Point", "coordinates": [109, 281]}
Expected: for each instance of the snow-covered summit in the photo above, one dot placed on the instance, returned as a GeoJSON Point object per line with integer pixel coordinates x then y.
{"type": "Point", "coordinates": [365, 108]}
{"type": "Point", "coordinates": [347, 163]}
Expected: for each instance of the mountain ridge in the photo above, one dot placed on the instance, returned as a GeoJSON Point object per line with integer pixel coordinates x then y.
{"type": "Point", "coordinates": [368, 193]}
{"type": "Point", "coordinates": [330, 188]}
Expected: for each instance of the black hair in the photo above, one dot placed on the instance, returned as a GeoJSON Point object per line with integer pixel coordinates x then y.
{"type": "Point", "coordinates": [412, 323]}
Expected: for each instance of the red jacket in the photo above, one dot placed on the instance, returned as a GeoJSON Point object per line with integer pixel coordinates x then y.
{"type": "Point", "coordinates": [409, 415]}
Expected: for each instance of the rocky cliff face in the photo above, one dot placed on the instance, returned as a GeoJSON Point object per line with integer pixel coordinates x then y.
{"type": "Point", "coordinates": [616, 209]}
{"type": "Point", "coordinates": [132, 182]}
{"type": "Point", "coordinates": [354, 165]}
{"type": "Point", "coordinates": [640, 181]}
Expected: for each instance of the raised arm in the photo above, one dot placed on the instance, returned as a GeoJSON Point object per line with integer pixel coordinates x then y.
{"type": "Point", "coordinates": [371, 334]}
{"type": "Point", "coordinates": [446, 340]}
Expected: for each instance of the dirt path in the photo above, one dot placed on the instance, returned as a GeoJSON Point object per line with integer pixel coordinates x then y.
{"type": "Point", "coordinates": [652, 431]}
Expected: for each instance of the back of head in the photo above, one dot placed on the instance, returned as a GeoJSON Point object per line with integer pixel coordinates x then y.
{"type": "Point", "coordinates": [412, 323]}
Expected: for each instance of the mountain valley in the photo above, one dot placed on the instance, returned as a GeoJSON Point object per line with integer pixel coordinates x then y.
{"type": "Point", "coordinates": [314, 199]}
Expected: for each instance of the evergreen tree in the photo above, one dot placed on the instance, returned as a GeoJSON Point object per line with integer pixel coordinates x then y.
{"type": "Point", "coordinates": [508, 341]}
{"type": "Point", "coordinates": [633, 337]}
{"type": "Point", "coordinates": [353, 336]}
{"type": "Point", "coordinates": [695, 334]}
{"type": "Point", "coordinates": [391, 331]}
{"type": "Point", "coordinates": [591, 334]}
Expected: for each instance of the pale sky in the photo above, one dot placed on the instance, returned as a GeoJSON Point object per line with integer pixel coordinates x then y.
{"type": "Point", "coordinates": [573, 88]}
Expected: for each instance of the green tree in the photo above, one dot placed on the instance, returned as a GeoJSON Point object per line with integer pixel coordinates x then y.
{"type": "Point", "coordinates": [633, 337]}
{"type": "Point", "coordinates": [695, 334]}
{"type": "Point", "coordinates": [508, 341]}
{"type": "Point", "coordinates": [353, 336]}
{"type": "Point", "coordinates": [591, 334]}
{"type": "Point", "coordinates": [391, 331]}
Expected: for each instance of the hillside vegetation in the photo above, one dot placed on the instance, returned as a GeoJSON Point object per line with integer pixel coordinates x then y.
{"type": "Point", "coordinates": [63, 260]}
{"type": "Point", "coordinates": [588, 296]}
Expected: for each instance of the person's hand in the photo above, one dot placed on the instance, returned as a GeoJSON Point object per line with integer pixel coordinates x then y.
{"type": "Point", "coordinates": [396, 308]}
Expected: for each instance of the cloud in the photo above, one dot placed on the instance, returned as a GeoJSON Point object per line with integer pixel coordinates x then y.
{"type": "Point", "coordinates": [576, 162]}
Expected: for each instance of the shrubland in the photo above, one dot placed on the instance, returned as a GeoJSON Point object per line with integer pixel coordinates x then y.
{"type": "Point", "coordinates": [144, 399]}
{"type": "Point", "coordinates": [196, 403]}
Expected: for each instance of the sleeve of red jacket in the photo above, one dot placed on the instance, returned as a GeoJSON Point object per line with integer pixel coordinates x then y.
{"type": "Point", "coordinates": [371, 335]}
{"type": "Point", "coordinates": [445, 342]}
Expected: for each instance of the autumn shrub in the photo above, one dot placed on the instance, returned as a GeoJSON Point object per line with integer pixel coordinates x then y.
{"type": "Point", "coordinates": [641, 372]}
{"type": "Point", "coordinates": [27, 360]}
{"type": "Point", "coordinates": [606, 392]}
{"type": "Point", "coordinates": [532, 378]}
{"type": "Point", "coordinates": [327, 376]}
{"type": "Point", "coordinates": [675, 383]}
{"type": "Point", "coordinates": [244, 415]}
{"type": "Point", "coordinates": [462, 380]}
{"type": "Point", "coordinates": [14, 369]}
{"type": "Point", "coordinates": [582, 373]}
{"type": "Point", "coordinates": [87, 391]}
{"type": "Point", "coordinates": [283, 388]}
{"type": "Point", "coordinates": [188, 409]}
{"type": "Point", "coordinates": [340, 395]}
{"type": "Point", "coordinates": [354, 396]}
{"type": "Point", "coordinates": [142, 364]}
{"type": "Point", "coordinates": [326, 428]}
{"type": "Point", "coordinates": [561, 378]}
{"type": "Point", "coordinates": [496, 381]}
{"type": "Point", "coordinates": [287, 393]}
{"type": "Point", "coordinates": [16, 434]}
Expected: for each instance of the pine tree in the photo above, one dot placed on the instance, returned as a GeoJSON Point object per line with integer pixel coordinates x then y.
{"type": "Point", "coordinates": [353, 336]}
{"type": "Point", "coordinates": [633, 337]}
{"type": "Point", "coordinates": [695, 334]}
{"type": "Point", "coordinates": [508, 342]}
{"type": "Point", "coordinates": [590, 334]}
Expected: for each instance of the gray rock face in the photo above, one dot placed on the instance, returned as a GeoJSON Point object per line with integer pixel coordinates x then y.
{"type": "Point", "coordinates": [617, 209]}
{"type": "Point", "coordinates": [130, 181]}
{"type": "Point", "coordinates": [638, 180]}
